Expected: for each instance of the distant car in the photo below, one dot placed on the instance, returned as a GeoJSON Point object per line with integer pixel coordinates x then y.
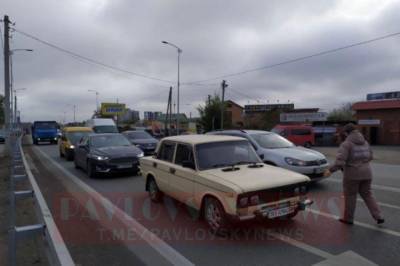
{"type": "Point", "coordinates": [45, 131]}
{"type": "Point", "coordinates": [107, 153]}
{"type": "Point", "coordinates": [223, 177]}
{"type": "Point", "coordinates": [276, 150]}
{"type": "Point", "coordinates": [142, 140]}
{"type": "Point", "coordinates": [301, 135]}
{"type": "Point", "coordinates": [70, 137]}
{"type": "Point", "coordinates": [102, 125]}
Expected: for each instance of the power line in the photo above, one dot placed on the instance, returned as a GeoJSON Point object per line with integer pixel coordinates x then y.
{"type": "Point", "coordinates": [90, 60]}
{"type": "Point", "coordinates": [298, 58]}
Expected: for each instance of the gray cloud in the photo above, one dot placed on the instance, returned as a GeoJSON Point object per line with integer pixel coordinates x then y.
{"type": "Point", "coordinates": [217, 37]}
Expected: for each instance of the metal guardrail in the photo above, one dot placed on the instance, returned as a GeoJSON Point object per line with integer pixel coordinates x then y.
{"type": "Point", "coordinates": [56, 250]}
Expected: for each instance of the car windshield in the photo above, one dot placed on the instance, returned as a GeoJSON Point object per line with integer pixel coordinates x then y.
{"type": "Point", "coordinates": [75, 137]}
{"type": "Point", "coordinates": [225, 153]}
{"type": "Point", "coordinates": [271, 141]}
{"type": "Point", "coordinates": [109, 140]}
{"type": "Point", "coordinates": [46, 125]}
{"type": "Point", "coordinates": [105, 129]}
{"type": "Point", "coordinates": [139, 135]}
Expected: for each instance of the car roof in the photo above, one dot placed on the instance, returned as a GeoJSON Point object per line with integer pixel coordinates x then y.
{"type": "Point", "coordinates": [241, 131]}
{"type": "Point", "coordinates": [75, 129]}
{"type": "Point", "coordinates": [198, 139]}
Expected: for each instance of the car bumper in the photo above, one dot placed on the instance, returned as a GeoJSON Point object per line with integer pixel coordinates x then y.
{"type": "Point", "coordinates": [105, 167]}
{"type": "Point", "coordinates": [261, 213]}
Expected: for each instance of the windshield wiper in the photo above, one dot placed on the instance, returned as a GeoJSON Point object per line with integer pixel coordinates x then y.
{"type": "Point", "coordinates": [220, 165]}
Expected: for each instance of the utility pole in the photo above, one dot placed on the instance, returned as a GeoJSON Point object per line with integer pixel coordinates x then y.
{"type": "Point", "coordinates": [15, 108]}
{"type": "Point", "coordinates": [168, 114]}
{"type": "Point", "coordinates": [7, 110]}
{"type": "Point", "coordinates": [223, 86]}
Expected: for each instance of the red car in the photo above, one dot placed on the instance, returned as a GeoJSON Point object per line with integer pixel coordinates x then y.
{"type": "Point", "coordinates": [301, 135]}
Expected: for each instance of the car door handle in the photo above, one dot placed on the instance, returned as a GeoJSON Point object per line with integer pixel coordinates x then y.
{"type": "Point", "coordinates": [154, 165]}
{"type": "Point", "coordinates": [172, 170]}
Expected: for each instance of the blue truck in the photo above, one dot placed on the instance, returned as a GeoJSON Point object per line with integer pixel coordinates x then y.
{"type": "Point", "coordinates": [45, 131]}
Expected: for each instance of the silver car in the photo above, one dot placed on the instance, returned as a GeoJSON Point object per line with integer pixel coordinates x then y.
{"type": "Point", "coordinates": [276, 150]}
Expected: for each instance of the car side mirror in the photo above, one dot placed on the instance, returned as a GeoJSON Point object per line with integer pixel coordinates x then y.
{"type": "Point", "coordinates": [188, 164]}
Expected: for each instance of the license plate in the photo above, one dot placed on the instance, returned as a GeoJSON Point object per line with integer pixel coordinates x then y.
{"type": "Point", "coordinates": [279, 212]}
{"type": "Point", "coordinates": [124, 166]}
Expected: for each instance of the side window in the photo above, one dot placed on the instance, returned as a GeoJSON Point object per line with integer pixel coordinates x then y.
{"type": "Point", "coordinates": [84, 141]}
{"type": "Point", "coordinates": [183, 153]}
{"type": "Point", "coordinates": [166, 152]}
{"type": "Point", "coordinates": [301, 132]}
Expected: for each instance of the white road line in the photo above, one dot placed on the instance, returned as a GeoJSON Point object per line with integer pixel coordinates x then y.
{"type": "Point", "coordinates": [383, 204]}
{"type": "Point", "coordinates": [365, 225]}
{"type": "Point", "coordinates": [165, 250]}
{"type": "Point", "coordinates": [301, 245]}
{"type": "Point", "coordinates": [374, 186]}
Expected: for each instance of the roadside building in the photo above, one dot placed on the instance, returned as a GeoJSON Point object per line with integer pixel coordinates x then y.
{"type": "Point", "coordinates": [183, 121]}
{"type": "Point", "coordinates": [234, 113]}
{"type": "Point", "coordinates": [379, 120]}
{"type": "Point", "coordinates": [264, 116]}
{"type": "Point", "coordinates": [129, 116]}
{"type": "Point", "coordinates": [151, 116]}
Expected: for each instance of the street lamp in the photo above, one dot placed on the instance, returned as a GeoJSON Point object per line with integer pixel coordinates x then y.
{"type": "Point", "coordinates": [179, 50]}
{"type": "Point", "coordinates": [15, 103]}
{"type": "Point", "coordinates": [97, 99]}
{"type": "Point", "coordinates": [11, 52]}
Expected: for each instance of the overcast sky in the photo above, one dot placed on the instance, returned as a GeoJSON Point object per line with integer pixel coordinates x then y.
{"type": "Point", "coordinates": [217, 38]}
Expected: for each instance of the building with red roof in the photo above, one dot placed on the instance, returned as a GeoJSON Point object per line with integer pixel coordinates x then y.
{"type": "Point", "coordinates": [379, 120]}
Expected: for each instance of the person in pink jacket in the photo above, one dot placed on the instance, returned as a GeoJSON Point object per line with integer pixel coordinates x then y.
{"type": "Point", "coordinates": [353, 158]}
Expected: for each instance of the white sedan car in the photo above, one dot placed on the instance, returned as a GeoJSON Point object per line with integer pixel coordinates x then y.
{"type": "Point", "coordinates": [276, 150]}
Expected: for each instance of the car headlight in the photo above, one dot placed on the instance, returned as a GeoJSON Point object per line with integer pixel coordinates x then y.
{"type": "Point", "coordinates": [295, 162]}
{"type": "Point", "coordinates": [140, 155]}
{"type": "Point", "coordinates": [100, 157]}
{"type": "Point", "coordinates": [72, 147]}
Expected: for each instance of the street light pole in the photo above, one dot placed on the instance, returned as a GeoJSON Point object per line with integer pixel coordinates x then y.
{"type": "Point", "coordinates": [15, 103]}
{"type": "Point", "coordinates": [97, 99]}
{"type": "Point", "coordinates": [179, 50]}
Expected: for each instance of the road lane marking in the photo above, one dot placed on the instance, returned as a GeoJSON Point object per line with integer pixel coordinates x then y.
{"type": "Point", "coordinates": [365, 225]}
{"type": "Point", "coordinates": [165, 250]}
{"type": "Point", "coordinates": [379, 187]}
{"type": "Point", "coordinates": [382, 204]}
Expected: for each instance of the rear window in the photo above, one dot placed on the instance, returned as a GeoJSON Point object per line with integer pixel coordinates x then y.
{"type": "Point", "coordinates": [301, 132]}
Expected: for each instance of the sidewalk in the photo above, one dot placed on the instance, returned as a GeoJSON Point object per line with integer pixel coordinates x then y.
{"type": "Point", "coordinates": [382, 154]}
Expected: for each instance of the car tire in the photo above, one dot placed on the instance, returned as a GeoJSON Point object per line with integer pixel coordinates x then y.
{"type": "Point", "coordinates": [69, 156]}
{"type": "Point", "coordinates": [35, 141]}
{"type": "Point", "coordinates": [91, 170]}
{"type": "Point", "coordinates": [155, 193]}
{"type": "Point", "coordinates": [215, 216]}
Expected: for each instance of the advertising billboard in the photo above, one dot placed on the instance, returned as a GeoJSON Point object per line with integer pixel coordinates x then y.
{"type": "Point", "coordinates": [383, 96]}
{"type": "Point", "coordinates": [112, 109]}
{"type": "Point", "coordinates": [260, 108]}
{"type": "Point", "coordinates": [303, 117]}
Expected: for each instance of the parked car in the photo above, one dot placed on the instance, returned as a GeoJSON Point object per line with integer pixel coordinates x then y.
{"type": "Point", "coordinates": [70, 137]}
{"type": "Point", "coordinates": [45, 131]}
{"type": "Point", "coordinates": [222, 177]}
{"type": "Point", "coordinates": [107, 153]}
{"type": "Point", "coordinates": [276, 150]}
{"type": "Point", "coordinates": [102, 125]}
{"type": "Point", "coordinates": [301, 135]}
{"type": "Point", "coordinates": [2, 136]}
{"type": "Point", "coordinates": [142, 140]}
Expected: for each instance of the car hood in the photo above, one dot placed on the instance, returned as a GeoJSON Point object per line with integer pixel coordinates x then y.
{"type": "Point", "coordinates": [299, 153]}
{"type": "Point", "coordinates": [253, 179]}
{"type": "Point", "coordinates": [118, 151]}
{"type": "Point", "coordinates": [143, 141]}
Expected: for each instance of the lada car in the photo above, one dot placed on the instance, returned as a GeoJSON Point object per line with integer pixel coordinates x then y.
{"type": "Point", "coordinates": [224, 179]}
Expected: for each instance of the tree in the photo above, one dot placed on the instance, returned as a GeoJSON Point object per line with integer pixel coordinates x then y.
{"type": "Point", "coordinates": [210, 114]}
{"type": "Point", "coordinates": [1, 109]}
{"type": "Point", "coordinates": [344, 113]}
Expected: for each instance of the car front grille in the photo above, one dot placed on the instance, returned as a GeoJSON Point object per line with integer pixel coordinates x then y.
{"type": "Point", "coordinates": [124, 160]}
{"type": "Point", "coordinates": [316, 162]}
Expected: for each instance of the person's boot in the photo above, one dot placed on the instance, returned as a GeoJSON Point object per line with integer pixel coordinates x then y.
{"type": "Point", "coordinates": [380, 221]}
{"type": "Point", "coordinates": [345, 221]}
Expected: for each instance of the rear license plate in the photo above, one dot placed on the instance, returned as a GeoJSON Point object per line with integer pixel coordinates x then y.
{"type": "Point", "coordinates": [279, 212]}
{"type": "Point", "coordinates": [124, 166]}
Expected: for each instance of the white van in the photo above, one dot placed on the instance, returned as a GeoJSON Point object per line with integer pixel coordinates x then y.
{"type": "Point", "coordinates": [102, 125]}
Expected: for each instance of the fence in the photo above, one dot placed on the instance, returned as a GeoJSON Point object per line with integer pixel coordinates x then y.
{"type": "Point", "coordinates": [46, 228]}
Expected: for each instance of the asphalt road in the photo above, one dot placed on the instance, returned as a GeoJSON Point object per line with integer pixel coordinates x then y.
{"type": "Point", "coordinates": [312, 237]}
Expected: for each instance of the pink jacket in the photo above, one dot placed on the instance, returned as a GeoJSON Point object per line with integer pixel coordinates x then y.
{"type": "Point", "coordinates": [353, 158]}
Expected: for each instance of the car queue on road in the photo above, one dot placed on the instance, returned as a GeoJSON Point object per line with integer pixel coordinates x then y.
{"type": "Point", "coordinates": [228, 176]}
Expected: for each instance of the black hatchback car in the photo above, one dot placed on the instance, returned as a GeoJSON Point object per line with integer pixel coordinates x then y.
{"type": "Point", "coordinates": [106, 153]}
{"type": "Point", "coordinates": [142, 140]}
